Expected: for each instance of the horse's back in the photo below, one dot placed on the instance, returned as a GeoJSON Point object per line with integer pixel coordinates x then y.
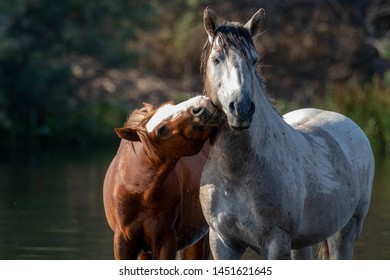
{"type": "Point", "coordinates": [348, 135]}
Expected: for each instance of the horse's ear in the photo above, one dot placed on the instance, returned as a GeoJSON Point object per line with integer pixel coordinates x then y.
{"type": "Point", "coordinates": [127, 133]}
{"type": "Point", "coordinates": [255, 24]}
{"type": "Point", "coordinates": [210, 21]}
{"type": "Point", "coordinates": [149, 107]}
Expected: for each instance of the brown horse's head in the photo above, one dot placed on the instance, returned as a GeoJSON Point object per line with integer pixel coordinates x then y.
{"type": "Point", "coordinates": [172, 131]}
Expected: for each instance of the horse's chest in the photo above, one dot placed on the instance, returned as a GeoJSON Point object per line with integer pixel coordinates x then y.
{"type": "Point", "coordinates": [236, 229]}
{"type": "Point", "coordinates": [232, 215]}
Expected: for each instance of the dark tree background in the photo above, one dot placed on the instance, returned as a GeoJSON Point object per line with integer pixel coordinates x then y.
{"type": "Point", "coordinates": [72, 70]}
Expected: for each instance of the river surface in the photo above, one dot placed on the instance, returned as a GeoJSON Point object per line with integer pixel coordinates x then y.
{"type": "Point", "coordinates": [51, 208]}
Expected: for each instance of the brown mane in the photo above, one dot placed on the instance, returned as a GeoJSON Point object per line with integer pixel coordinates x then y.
{"type": "Point", "coordinates": [137, 121]}
{"type": "Point", "coordinates": [139, 116]}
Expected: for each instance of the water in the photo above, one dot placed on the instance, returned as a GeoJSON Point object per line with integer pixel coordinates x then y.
{"type": "Point", "coordinates": [51, 208]}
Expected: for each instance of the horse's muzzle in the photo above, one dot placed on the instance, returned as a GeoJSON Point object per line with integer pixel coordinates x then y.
{"type": "Point", "coordinates": [207, 113]}
{"type": "Point", "coordinates": [240, 114]}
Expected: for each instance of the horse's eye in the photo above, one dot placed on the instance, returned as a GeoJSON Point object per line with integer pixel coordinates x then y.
{"type": "Point", "coordinates": [162, 131]}
{"type": "Point", "coordinates": [216, 61]}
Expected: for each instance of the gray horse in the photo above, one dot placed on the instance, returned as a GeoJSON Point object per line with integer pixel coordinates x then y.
{"type": "Point", "coordinates": [276, 184]}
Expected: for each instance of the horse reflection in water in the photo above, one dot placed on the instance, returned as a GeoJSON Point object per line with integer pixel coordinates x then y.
{"type": "Point", "coordinates": [151, 189]}
{"type": "Point", "coordinates": [274, 183]}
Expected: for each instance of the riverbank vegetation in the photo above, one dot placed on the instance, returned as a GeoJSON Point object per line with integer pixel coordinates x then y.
{"type": "Point", "coordinates": [71, 71]}
{"type": "Point", "coordinates": [368, 105]}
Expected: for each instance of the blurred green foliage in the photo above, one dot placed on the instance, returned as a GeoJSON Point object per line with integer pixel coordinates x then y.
{"type": "Point", "coordinates": [71, 70]}
{"type": "Point", "coordinates": [39, 41]}
{"type": "Point", "coordinates": [368, 105]}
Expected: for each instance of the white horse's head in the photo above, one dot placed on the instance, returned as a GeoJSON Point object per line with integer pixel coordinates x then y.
{"type": "Point", "coordinates": [229, 66]}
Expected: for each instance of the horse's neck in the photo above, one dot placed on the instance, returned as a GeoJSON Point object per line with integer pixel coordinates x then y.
{"type": "Point", "coordinates": [267, 137]}
{"type": "Point", "coordinates": [270, 134]}
{"type": "Point", "coordinates": [148, 173]}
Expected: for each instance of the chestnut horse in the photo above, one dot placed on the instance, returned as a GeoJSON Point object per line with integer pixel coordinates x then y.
{"type": "Point", "coordinates": [151, 189]}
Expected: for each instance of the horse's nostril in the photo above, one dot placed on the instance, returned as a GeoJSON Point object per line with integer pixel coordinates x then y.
{"type": "Point", "coordinates": [252, 109]}
{"type": "Point", "coordinates": [232, 107]}
{"type": "Point", "coordinates": [197, 111]}
{"type": "Point", "coordinates": [235, 108]}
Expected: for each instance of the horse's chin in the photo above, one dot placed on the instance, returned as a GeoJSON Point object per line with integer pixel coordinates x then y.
{"type": "Point", "coordinates": [239, 125]}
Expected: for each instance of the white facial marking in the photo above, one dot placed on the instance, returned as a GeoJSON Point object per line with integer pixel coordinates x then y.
{"type": "Point", "coordinates": [169, 111]}
{"type": "Point", "coordinates": [232, 76]}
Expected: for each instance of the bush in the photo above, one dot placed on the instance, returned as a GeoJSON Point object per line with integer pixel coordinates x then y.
{"type": "Point", "coordinates": [368, 106]}
{"type": "Point", "coordinates": [39, 41]}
